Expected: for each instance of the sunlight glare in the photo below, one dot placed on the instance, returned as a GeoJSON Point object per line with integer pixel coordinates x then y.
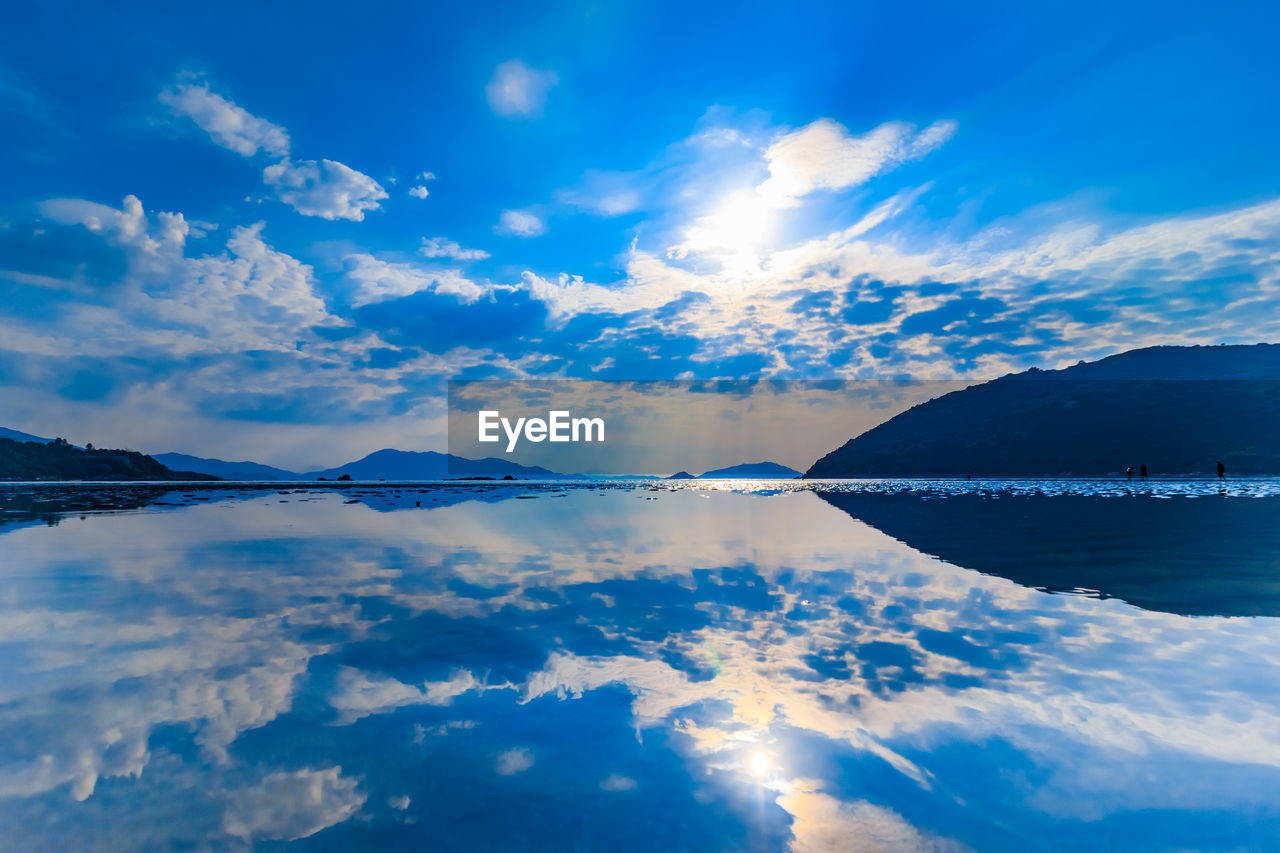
{"type": "Point", "coordinates": [741, 223]}
{"type": "Point", "coordinates": [735, 230]}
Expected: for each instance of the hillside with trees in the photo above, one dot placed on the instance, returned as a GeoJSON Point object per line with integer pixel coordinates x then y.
{"type": "Point", "coordinates": [59, 460]}
{"type": "Point", "coordinates": [1177, 410]}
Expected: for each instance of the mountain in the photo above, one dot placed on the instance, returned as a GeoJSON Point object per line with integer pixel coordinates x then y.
{"type": "Point", "coordinates": [753, 471]}
{"type": "Point", "coordinates": [681, 475]}
{"type": "Point", "coordinates": [1177, 410]}
{"type": "Point", "coordinates": [224, 470]}
{"type": "Point", "coordinates": [58, 460]}
{"type": "Point", "coordinates": [15, 435]}
{"type": "Point", "coordinates": [391, 464]}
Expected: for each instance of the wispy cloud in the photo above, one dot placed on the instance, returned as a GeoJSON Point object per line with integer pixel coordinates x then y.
{"type": "Point", "coordinates": [442, 247]}
{"type": "Point", "coordinates": [520, 223]}
{"type": "Point", "coordinates": [824, 155]}
{"type": "Point", "coordinates": [19, 96]}
{"type": "Point", "coordinates": [518, 91]}
{"type": "Point", "coordinates": [514, 761]}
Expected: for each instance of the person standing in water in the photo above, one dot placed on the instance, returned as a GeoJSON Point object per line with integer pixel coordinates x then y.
{"type": "Point", "coordinates": [1128, 472]}
{"type": "Point", "coordinates": [1144, 470]}
{"type": "Point", "coordinates": [1222, 470]}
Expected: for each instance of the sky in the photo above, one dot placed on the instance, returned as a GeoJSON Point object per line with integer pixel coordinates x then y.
{"type": "Point", "coordinates": [277, 233]}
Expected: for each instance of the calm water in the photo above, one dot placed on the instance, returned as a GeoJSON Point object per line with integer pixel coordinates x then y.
{"type": "Point", "coordinates": [880, 666]}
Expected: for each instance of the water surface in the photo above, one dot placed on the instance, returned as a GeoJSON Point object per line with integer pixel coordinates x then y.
{"type": "Point", "coordinates": [1025, 665]}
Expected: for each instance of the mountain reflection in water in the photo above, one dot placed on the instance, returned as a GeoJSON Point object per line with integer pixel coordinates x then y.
{"type": "Point", "coordinates": [1217, 555]}
{"type": "Point", "coordinates": [640, 667]}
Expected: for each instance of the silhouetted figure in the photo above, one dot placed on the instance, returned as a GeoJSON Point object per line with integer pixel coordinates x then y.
{"type": "Point", "coordinates": [970, 475]}
{"type": "Point", "coordinates": [1128, 472]}
{"type": "Point", "coordinates": [1144, 470]}
{"type": "Point", "coordinates": [1222, 470]}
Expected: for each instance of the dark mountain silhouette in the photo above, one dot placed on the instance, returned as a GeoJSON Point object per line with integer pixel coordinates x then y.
{"type": "Point", "coordinates": [1176, 409]}
{"type": "Point", "coordinates": [681, 475]}
{"type": "Point", "coordinates": [753, 471]}
{"type": "Point", "coordinates": [392, 464]}
{"type": "Point", "coordinates": [58, 460]}
{"type": "Point", "coordinates": [1191, 556]}
{"type": "Point", "coordinates": [224, 470]}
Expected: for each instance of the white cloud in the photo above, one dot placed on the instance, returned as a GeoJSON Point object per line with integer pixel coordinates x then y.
{"type": "Point", "coordinates": [327, 189]}
{"type": "Point", "coordinates": [127, 226]}
{"type": "Point", "coordinates": [518, 90]}
{"type": "Point", "coordinates": [419, 191]}
{"type": "Point", "coordinates": [376, 280]}
{"type": "Point", "coordinates": [569, 295]}
{"type": "Point", "coordinates": [360, 694]}
{"type": "Point", "coordinates": [514, 761]}
{"type": "Point", "coordinates": [248, 297]}
{"type": "Point", "coordinates": [1081, 290]}
{"type": "Point", "coordinates": [289, 806]}
{"type": "Point", "coordinates": [823, 824]}
{"type": "Point", "coordinates": [614, 782]}
{"type": "Point", "coordinates": [185, 332]}
{"type": "Point", "coordinates": [226, 123]}
{"type": "Point", "coordinates": [823, 155]}
{"type": "Point", "coordinates": [324, 188]}
{"type": "Point", "coordinates": [426, 176]}
{"type": "Point", "coordinates": [442, 247]}
{"type": "Point", "coordinates": [520, 223]}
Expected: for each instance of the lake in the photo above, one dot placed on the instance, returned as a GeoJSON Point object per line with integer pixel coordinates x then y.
{"type": "Point", "coordinates": [913, 665]}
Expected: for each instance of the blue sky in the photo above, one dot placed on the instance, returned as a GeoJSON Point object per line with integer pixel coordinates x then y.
{"type": "Point", "coordinates": [276, 233]}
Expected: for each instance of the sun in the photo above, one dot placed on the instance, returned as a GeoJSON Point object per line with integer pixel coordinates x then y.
{"type": "Point", "coordinates": [742, 223]}
{"type": "Point", "coordinates": [736, 231]}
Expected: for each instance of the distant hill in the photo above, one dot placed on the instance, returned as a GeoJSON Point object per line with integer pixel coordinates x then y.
{"type": "Point", "coordinates": [392, 464]}
{"type": "Point", "coordinates": [224, 470]}
{"type": "Point", "coordinates": [58, 460]}
{"type": "Point", "coordinates": [682, 475]}
{"type": "Point", "coordinates": [15, 435]}
{"type": "Point", "coordinates": [753, 471]}
{"type": "Point", "coordinates": [1176, 409]}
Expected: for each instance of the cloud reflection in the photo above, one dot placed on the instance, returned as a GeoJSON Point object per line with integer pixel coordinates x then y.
{"type": "Point", "coordinates": [811, 677]}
